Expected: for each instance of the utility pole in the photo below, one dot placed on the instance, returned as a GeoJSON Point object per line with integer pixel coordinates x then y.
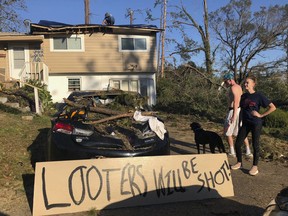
{"type": "Point", "coordinates": [87, 11]}
{"type": "Point", "coordinates": [131, 13]}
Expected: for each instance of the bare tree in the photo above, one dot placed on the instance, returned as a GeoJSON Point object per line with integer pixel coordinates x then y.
{"type": "Point", "coordinates": [163, 35]}
{"type": "Point", "coordinates": [245, 35]}
{"type": "Point", "coordinates": [9, 18]}
{"type": "Point", "coordinates": [182, 19]}
{"type": "Point", "coordinates": [162, 40]}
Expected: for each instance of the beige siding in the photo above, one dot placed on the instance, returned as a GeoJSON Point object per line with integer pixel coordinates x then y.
{"type": "Point", "coordinates": [3, 63]}
{"type": "Point", "coordinates": [101, 55]}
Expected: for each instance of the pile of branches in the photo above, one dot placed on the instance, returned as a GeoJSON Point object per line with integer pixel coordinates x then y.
{"type": "Point", "coordinates": [113, 118]}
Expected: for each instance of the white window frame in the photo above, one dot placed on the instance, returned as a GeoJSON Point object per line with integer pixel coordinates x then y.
{"type": "Point", "coordinates": [68, 50]}
{"type": "Point", "coordinates": [129, 83]}
{"type": "Point", "coordinates": [147, 38]}
{"type": "Point", "coordinates": [80, 83]}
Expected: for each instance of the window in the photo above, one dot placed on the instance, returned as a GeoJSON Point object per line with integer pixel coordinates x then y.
{"type": "Point", "coordinates": [133, 43]}
{"type": "Point", "coordinates": [19, 57]}
{"type": "Point", "coordinates": [134, 85]}
{"type": "Point", "coordinates": [125, 85]}
{"type": "Point", "coordinates": [72, 43]}
{"type": "Point", "coordinates": [144, 87]}
{"type": "Point", "coordinates": [116, 84]}
{"type": "Point", "coordinates": [74, 84]}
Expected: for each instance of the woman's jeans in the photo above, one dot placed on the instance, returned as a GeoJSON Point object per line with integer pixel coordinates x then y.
{"type": "Point", "coordinates": [255, 129]}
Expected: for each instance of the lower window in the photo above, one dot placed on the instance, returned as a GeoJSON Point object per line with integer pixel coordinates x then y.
{"type": "Point", "coordinates": [74, 84]}
{"type": "Point", "coordinates": [125, 85]}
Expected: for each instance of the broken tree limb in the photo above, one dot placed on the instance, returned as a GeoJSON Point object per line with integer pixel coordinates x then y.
{"type": "Point", "coordinates": [93, 109]}
{"type": "Point", "coordinates": [110, 118]}
{"type": "Point", "coordinates": [117, 117]}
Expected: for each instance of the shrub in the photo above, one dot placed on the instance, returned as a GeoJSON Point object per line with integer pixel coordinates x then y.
{"type": "Point", "coordinates": [44, 95]}
{"type": "Point", "coordinates": [277, 119]}
{"type": "Point", "coordinates": [9, 109]}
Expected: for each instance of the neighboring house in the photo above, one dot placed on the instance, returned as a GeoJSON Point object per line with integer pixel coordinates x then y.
{"type": "Point", "coordinates": [83, 57]}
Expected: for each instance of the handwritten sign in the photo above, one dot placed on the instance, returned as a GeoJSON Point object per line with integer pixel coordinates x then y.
{"type": "Point", "coordinates": [75, 186]}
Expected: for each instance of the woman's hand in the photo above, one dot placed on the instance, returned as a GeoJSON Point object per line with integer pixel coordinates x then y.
{"type": "Point", "coordinates": [256, 114]}
{"type": "Point", "coordinates": [271, 109]}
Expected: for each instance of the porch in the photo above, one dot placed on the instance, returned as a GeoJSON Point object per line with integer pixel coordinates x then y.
{"type": "Point", "coordinates": [34, 71]}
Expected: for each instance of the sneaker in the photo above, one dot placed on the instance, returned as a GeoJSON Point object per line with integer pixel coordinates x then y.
{"type": "Point", "coordinates": [236, 166]}
{"type": "Point", "coordinates": [232, 155]}
{"type": "Point", "coordinates": [253, 171]}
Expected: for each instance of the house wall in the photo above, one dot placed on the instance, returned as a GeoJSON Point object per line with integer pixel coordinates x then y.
{"type": "Point", "coordinates": [6, 57]}
{"type": "Point", "coordinates": [58, 85]}
{"type": "Point", "coordinates": [100, 62]}
{"type": "Point", "coordinates": [96, 65]}
{"type": "Point", "coordinates": [3, 62]}
{"type": "Point", "coordinates": [101, 54]}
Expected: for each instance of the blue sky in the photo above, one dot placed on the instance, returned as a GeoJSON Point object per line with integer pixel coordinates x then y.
{"type": "Point", "coordinates": [72, 11]}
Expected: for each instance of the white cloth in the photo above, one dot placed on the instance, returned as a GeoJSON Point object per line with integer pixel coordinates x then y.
{"type": "Point", "coordinates": [154, 124]}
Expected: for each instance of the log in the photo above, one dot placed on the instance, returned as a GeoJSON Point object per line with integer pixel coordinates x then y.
{"type": "Point", "coordinates": [110, 118]}
{"type": "Point", "coordinates": [93, 109]}
{"type": "Point", "coordinates": [124, 115]}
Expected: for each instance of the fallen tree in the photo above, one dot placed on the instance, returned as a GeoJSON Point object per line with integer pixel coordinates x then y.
{"type": "Point", "coordinates": [101, 110]}
{"type": "Point", "coordinates": [113, 114]}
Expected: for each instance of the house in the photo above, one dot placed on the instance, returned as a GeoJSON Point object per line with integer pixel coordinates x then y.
{"type": "Point", "coordinates": [83, 57]}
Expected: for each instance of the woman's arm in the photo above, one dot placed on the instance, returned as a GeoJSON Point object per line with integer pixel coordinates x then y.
{"type": "Point", "coordinates": [271, 109]}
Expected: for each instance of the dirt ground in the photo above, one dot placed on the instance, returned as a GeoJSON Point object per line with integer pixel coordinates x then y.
{"type": "Point", "coordinates": [252, 194]}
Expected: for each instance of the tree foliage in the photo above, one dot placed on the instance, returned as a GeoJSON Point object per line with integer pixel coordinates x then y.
{"type": "Point", "coordinates": [184, 91]}
{"type": "Point", "coordinates": [275, 87]}
{"type": "Point", "coordinates": [9, 18]}
{"type": "Point", "coordinates": [245, 35]}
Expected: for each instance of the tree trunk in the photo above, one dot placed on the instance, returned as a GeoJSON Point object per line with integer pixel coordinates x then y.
{"type": "Point", "coordinates": [208, 60]}
{"type": "Point", "coordinates": [163, 38]}
{"type": "Point", "coordinates": [94, 109]}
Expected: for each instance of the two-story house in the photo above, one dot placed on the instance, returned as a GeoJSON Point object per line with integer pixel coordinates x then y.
{"type": "Point", "coordinates": [83, 57]}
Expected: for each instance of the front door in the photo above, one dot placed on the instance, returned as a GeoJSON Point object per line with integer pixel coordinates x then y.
{"type": "Point", "coordinates": [19, 56]}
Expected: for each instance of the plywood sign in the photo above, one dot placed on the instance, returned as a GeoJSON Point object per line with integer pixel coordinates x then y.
{"type": "Point", "coordinates": [82, 185]}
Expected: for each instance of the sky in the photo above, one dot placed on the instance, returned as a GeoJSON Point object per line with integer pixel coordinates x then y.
{"type": "Point", "coordinates": [72, 11]}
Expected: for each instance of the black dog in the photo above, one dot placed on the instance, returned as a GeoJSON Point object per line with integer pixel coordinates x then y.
{"type": "Point", "coordinates": [204, 137]}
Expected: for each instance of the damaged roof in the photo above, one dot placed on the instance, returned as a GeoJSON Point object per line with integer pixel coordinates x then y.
{"type": "Point", "coordinates": [46, 27]}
